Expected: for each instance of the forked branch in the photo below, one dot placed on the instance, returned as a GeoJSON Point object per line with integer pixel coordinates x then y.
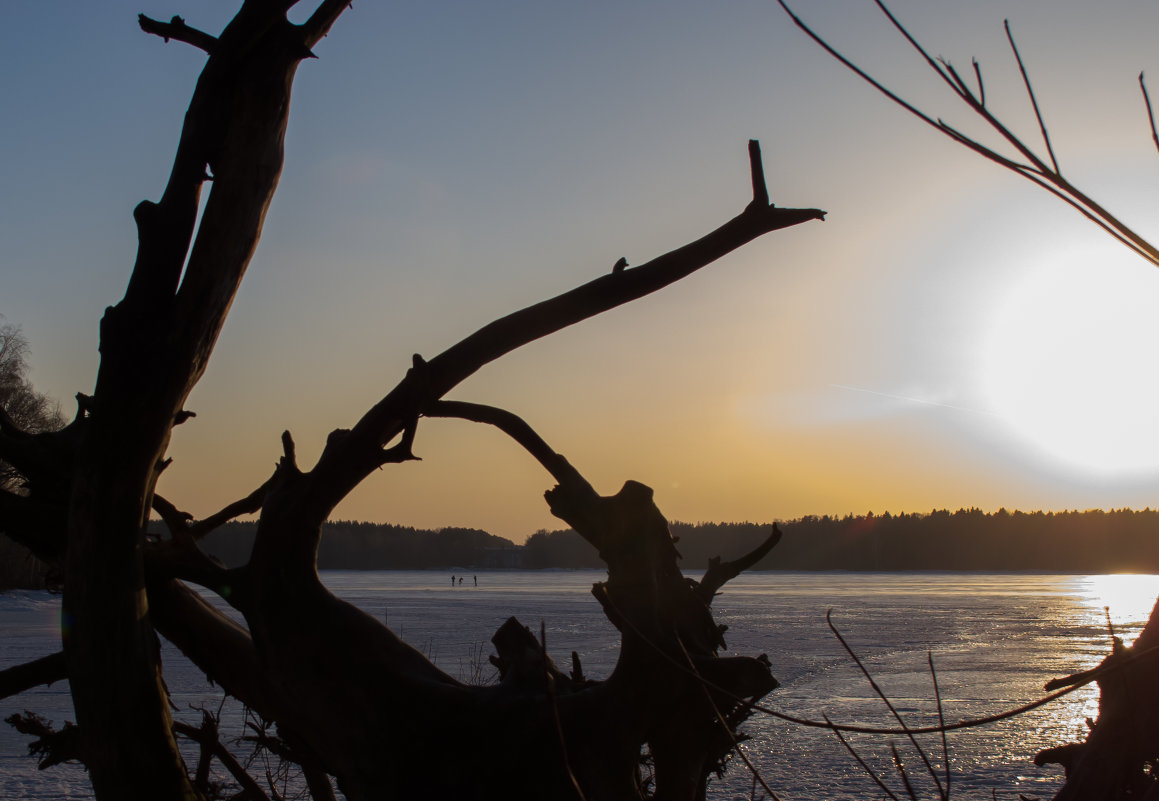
{"type": "Point", "coordinates": [720, 573]}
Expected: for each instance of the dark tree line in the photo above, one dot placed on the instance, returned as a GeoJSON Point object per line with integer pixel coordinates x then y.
{"type": "Point", "coordinates": [35, 413]}
{"type": "Point", "coordinates": [1092, 541]}
{"type": "Point", "coordinates": [347, 545]}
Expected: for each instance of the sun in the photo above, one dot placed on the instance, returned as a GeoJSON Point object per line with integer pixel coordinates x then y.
{"type": "Point", "coordinates": [1070, 361]}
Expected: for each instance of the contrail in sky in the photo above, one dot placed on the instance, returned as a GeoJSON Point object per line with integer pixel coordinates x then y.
{"type": "Point", "coordinates": [910, 399]}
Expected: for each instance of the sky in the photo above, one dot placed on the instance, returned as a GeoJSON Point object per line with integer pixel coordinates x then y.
{"type": "Point", "coordinates": [949, 337]}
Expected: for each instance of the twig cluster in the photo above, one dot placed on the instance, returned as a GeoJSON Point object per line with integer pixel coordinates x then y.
{"type": "Point", "coordinates": [1041, 169]}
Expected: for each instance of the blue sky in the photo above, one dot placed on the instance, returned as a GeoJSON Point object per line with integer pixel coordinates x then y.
{"type": "Point", "coordinates": [450, 162]}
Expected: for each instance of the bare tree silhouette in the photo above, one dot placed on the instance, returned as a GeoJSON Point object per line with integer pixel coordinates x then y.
{"type": "Point", "coordinates": [350, 699]}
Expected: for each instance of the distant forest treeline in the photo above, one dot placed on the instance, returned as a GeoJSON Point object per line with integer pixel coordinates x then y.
{"type": "Point", "coordinates": [349, 545]}
{"type": "Point", "coordinates": [969, 539]}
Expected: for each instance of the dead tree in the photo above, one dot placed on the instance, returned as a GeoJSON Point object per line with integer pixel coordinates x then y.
{"type": "Point", "coordinates": [354, 698]}
{"type": "Point", "coordinates": [1120, 756]}
{"type": "Point", "coordinates": [1117, 759]}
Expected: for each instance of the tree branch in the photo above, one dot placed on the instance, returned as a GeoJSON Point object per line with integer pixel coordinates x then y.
{"type": "Point", "coordinates": [33, 454]}
{"type": "Point", "coordinates": [206, 736]}
{"type": "Point", "coordinates": [179, 522]}
{"type": "Point", "coordinates": [178, 30]}
{"type": "Point", "coordinates": [40, 527]}
{"type": "Point", "coordinates": [517, 428]}
{"type": "Point", "coordinates": [1046, 176]}
{"type": "Point", "coordinates": [220, 647]}
{"type": "Point", "coordinates": [341, 468]}
{"type": "Point", "coordinates": [1033, 99]}
{"type": "Point", "coordinates": [175, 520]}
{"type": "Point", "coordinates": [52, 746]}
{"type": "Point", "coordinates": [1150, 113]}
{"type": "Point", "coordinates": [46, 670]}
{"type": "Point", "coordinates": [720, 573]}
{"type": "Point", "coordinates": [320, 22]}
{"type": "Point", "coordinates": [756, 168]}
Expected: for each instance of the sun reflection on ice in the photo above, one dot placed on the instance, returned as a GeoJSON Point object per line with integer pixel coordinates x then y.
{"type": "Point", "coordinates": [1129, 598]}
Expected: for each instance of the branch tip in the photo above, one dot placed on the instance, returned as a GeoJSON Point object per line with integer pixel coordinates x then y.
{"type": "Point", "coordinates": [1150, 112]}
{"type": "Point", "coordinates": [288, 449]}
{"type": "Point", "coordinates": [760, 190]}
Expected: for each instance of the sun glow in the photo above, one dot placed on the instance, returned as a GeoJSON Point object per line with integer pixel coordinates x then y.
{"type": "Point", "coordinates": [1069, 362]}
{"type": "Point", "coordinates": [1129, 597]}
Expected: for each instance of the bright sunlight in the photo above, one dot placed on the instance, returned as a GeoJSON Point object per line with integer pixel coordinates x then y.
{"type": "Point", "coordinates": [1069, 361]}
{"type": "Point", "coordinates": [1129, 596]}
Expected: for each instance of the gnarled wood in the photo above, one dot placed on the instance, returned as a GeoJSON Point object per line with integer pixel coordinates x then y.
{"type": "Point", "coordinates": [354, 699]}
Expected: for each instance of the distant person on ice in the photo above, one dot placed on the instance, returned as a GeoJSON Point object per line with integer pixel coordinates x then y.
{"type": "Point", "coordinates": [452, 581]}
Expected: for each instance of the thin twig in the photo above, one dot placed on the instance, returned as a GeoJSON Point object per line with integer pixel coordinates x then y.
{"type": "Point", "coordinates": [549, 685]}
{"type": "Point", "coordinates": [981, 86]}
{"type": "Point", "coordinates": [966, 96]}
{"type": "Point", "coordinates": [941, 724]}
{"type": "Point", "coordinates": [900, 766]}
{"type": "Point", "coordinates": [945, 76]}
{"type": "Point", "coordinates": [1033, 100]}
{"type": "Point", "coordinates": [864, 766]}
{"type": "Point", "coordinates": [1150, 113]}
{"type": "Point", "coordinates": [885, 698]}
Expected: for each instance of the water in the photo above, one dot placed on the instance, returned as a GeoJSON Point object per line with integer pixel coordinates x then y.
{"type": "Point", "coordinates": [995, 640]}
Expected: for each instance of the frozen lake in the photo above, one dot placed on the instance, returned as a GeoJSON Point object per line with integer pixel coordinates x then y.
{"type": "Point", "coordinates": [995, 639]}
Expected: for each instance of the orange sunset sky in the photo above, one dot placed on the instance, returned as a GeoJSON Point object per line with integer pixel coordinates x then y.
{"type": "Point", "coordinates": [950, 336]}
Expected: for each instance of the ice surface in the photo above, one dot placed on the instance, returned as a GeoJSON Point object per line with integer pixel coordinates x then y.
{"type": "Point", "coordinates": [995, 639]}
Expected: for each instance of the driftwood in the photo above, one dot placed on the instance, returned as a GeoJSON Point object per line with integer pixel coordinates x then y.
{"type": "Point", "coordinates": [1118, 758]}
{"type": "Point", "coordinates": [355, 701]}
